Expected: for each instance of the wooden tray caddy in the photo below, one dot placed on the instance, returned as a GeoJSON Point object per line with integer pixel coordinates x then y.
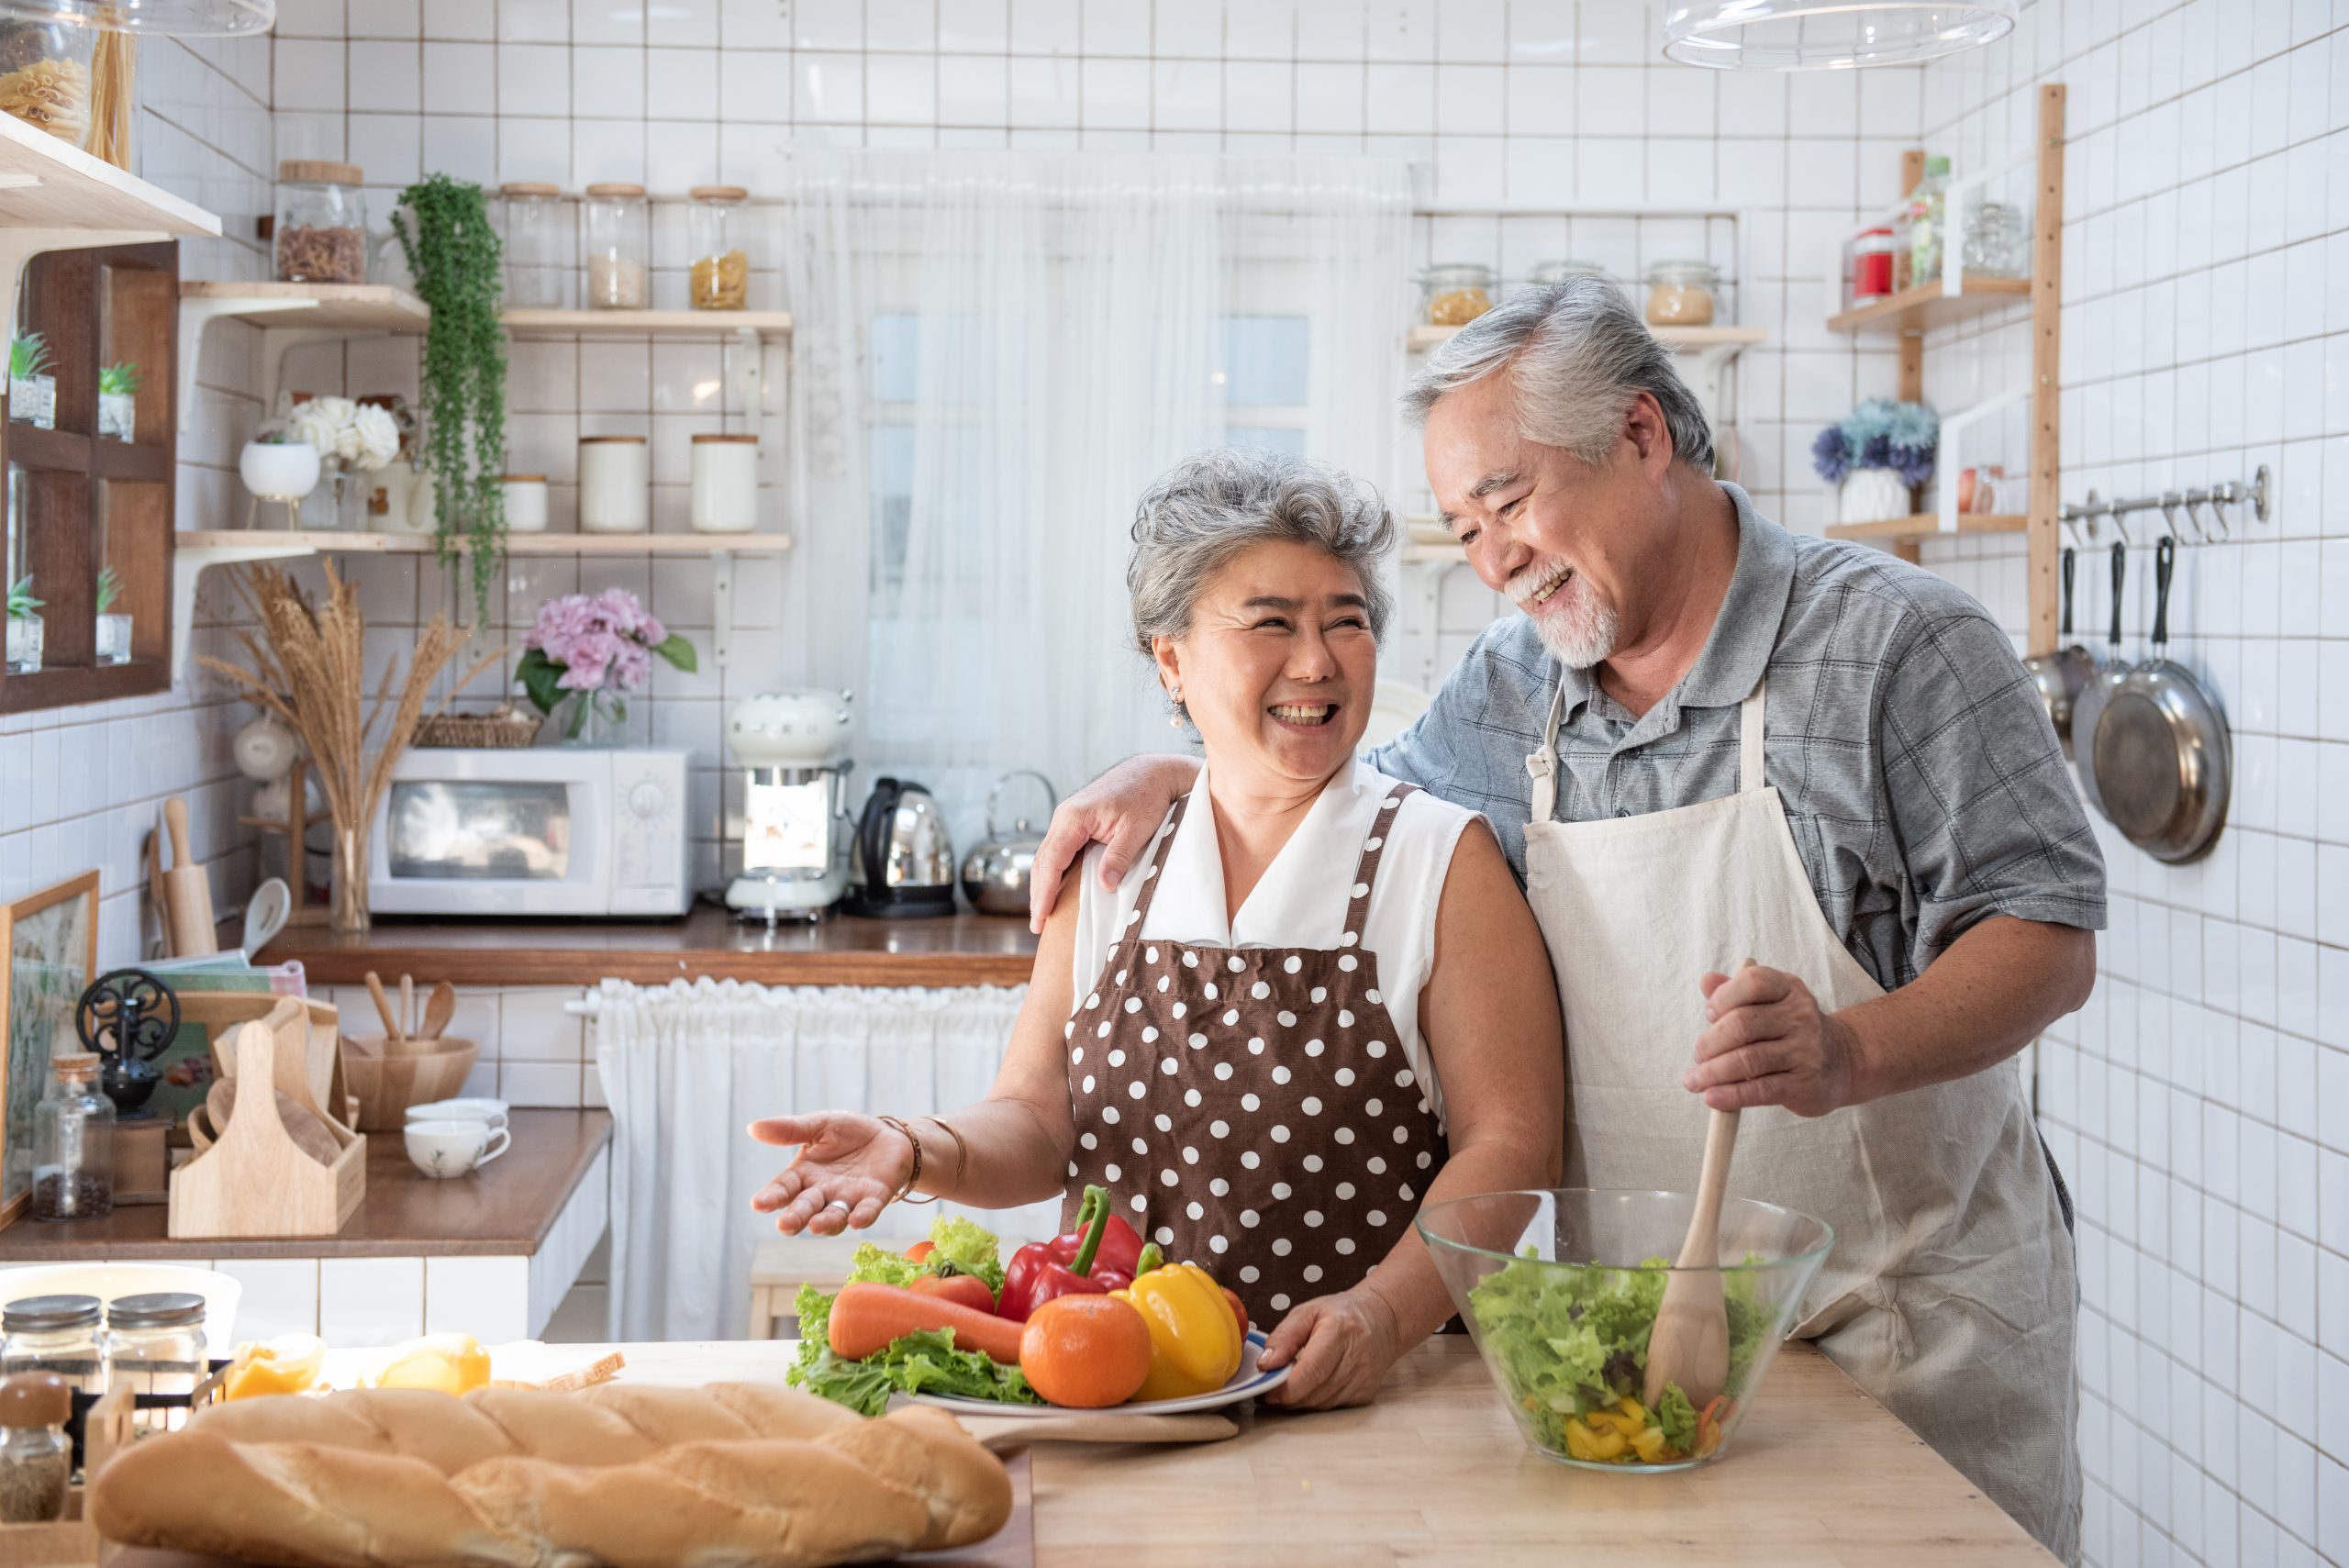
{"type": "Point", "coordinates": [72, 1542]}
{"type": "Point", "coordinates": [253, 1180]}
{"type": "Point", "coordinates": [322, 1064]}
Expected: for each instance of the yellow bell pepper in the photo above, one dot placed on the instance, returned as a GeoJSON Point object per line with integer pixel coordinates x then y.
{"type": "Point", "coordinates": [1193, 1339]}
{"type": "Point", "coordinates": [1651, 1446]}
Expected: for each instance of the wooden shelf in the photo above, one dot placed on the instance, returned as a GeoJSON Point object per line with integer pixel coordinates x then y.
{"type": "Point", "coordinates": [1926, 305]}
{"type": "Point", "coordinates": [47, 185]}
{"type": "Point", "coordinates": [767, 324]}
{"type": "Point", "coordinates": [1927, 525]}
{"type": "Point", "coordinates": [1683, 339]}
{"type": "Point", "coordinates": [346, 307]}
{"type": "Point", "coordinates": [292, 541]}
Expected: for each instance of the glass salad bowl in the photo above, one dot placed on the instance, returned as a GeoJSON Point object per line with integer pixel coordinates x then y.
{"type": "Point", "coordinates": [1559, 1289]}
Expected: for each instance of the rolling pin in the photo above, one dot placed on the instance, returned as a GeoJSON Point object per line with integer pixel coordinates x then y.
{"type": "Point", "coordinates": [187, 890]}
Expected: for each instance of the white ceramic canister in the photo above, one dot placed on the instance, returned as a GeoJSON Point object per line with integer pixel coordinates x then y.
{"type": "Point", "coordinates": [615, 484]}
{"type": "Point", "coordinates": [725, 484]}
{"type": "Point", "coordinates": [526, 503]}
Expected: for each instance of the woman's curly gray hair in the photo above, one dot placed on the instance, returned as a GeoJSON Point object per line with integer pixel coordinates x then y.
{"type": "Point", "coordinates": [1209, 507]}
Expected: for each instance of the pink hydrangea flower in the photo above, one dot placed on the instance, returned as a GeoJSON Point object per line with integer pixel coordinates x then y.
{"type": "Point", "coordinates": [603, 640]}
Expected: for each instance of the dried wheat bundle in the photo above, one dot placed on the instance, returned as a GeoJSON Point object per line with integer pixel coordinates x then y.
{"type": "Point", "coordinates": [307, 668]}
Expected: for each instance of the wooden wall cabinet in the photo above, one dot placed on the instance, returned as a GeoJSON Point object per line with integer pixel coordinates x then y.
{"type": "Point", "coordinates": [78, 502]}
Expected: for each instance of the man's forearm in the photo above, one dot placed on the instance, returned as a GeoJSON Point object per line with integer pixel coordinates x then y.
{"type": "Point", "coordinates": [1984, 999]}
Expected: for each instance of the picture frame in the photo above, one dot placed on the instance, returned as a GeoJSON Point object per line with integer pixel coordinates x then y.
{"type": "Point", "coordinates": [49, 955]}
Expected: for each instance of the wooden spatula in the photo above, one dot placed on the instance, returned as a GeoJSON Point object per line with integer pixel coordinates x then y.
{"type": "Point", "coordinates": [384, 1011]}
{"type": "Point", "coordinates": [438, 1008]}
{"type": "Point", "coordinates": [1689, 1344]}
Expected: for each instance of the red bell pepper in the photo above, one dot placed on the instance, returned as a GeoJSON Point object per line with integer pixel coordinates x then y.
{"type": "Point", "coordinates": [1092, 1260]}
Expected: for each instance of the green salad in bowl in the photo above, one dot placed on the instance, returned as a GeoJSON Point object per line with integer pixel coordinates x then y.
{"type": "Point", "coordinates": [1559, 1290]}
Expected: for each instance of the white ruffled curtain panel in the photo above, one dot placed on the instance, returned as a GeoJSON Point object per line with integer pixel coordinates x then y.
{"type": "Point", "coordinates": [1015, 344]}
{"type": "Point", "coordinates": [688, 1066]}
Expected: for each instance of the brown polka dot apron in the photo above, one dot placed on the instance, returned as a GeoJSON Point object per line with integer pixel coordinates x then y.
{"type": "Point", "coordinates": [1250, 1109]}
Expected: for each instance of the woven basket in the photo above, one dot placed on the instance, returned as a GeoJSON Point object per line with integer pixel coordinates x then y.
{"type": "Point", "coordinates": [508, 728]}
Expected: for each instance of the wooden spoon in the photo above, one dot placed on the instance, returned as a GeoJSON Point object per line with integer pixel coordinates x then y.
{"type": "Point", "coordinates": [384, 1010]}
{"type": "Point", "coordinates": [1689, 1344]}
{"type": "Point", "coordinates": [407, 1008]}
{"type": "Point", "coordinates": [438, 1008]}
{"type": "Point", "coordinates": [308, 1133]}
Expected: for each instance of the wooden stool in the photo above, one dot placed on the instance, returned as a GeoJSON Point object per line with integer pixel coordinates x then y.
{"type": "Point", "coordinates": [783, 1263]}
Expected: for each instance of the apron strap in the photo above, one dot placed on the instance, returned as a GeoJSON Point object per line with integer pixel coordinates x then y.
{"type": "Point", "coordinates": [1374, 846]}
{"type": "Point", "coordinates": [1542, 764]}
{"type": "Point", "coordinates": [1749, 738]}
{"type": "Point", "coordinates": [1150, 876]}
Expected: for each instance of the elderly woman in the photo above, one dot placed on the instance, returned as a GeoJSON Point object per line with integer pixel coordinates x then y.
{"type": "Point", "coordinates": [1324, 1004]}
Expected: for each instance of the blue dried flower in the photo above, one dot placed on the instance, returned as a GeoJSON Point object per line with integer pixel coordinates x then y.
{"type": "Point", "coordinates": [1870, 419]}
{"type": "Point", "coordinates": [1876, 452]}
{"type": "Point", "coordinates": [1913, 425]}
{"type": "Point", "coordinates": [1914, 464]}
{"type": "Point", "coordinates": [1829, 458]}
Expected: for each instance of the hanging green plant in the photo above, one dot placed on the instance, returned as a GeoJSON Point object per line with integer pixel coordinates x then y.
{"type": "Point", "coordinates": [453, 254]}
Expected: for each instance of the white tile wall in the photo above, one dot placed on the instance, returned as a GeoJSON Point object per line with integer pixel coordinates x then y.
{"type": "Point", "coordinates": [2201, 1103]}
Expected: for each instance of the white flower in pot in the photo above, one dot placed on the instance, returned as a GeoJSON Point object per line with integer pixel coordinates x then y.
{"type": "Point", "coordinates": [277, 468]}
{"type": "Point", "coordinates": [1877, 456]}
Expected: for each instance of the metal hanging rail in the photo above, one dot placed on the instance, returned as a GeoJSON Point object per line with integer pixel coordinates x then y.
{"type": "Point", "coordinates": [2170, 503]}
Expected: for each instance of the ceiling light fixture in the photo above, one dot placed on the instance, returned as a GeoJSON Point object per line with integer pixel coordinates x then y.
{"type": "Point", "coordinates": [1829, 35]}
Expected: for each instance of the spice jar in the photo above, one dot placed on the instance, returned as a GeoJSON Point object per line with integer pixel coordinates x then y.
{"type": "Point", "coordinates": [615, 484]}
{"type": "Point", "coordinates": [617, 224]}
{"type": "Point", "coordinates": [1872, 264]}
{"type": "Point", "coordinates": [1455, 294]}
{"type": "Point", "coordinates": [36, 1456]}
{"type": "Point", "coordinates": [155, 1343]}
{"type": "Point", "coordinates": [1680, 293]}
{"type": "Point", "coordinates": [1994, 242]}
{"type": "Point", "coordinates": [322, 222]}
{"type": "Point", "coordinates": [725, 484]}
{"type": "Point", "coordinates": [715, 225]}
{"type": "Point", "coordinates": [526, 503]}
{"type": "Point", "coordinates": [538, 245]}
{"type": "Point", "coordinates": [59, 1334]}
{"type": "Point", "coordinates": [73, 1144]}
{"type": "Point", "coordinates": [1542, 274]}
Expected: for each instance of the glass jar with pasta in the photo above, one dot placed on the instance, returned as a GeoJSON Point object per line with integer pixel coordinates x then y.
{"type": "Point", "coordinates": [45, 77]}
{"type": "Point", "coordinates": [1680, 293]}
{"type": "Point", "coordinates": [1453, 293]}
{"type": "Point", "coordinates": [322, 222]}
{"type": "Point", "coordinates": [721, 266]}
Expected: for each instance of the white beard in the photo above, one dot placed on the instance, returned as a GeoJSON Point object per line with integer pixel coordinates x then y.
{"type": "Point", "coordinates": [1581, 632]}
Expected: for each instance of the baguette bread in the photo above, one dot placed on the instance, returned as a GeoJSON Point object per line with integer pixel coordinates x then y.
{"type": "Point", "coordinates": [730, 1475]}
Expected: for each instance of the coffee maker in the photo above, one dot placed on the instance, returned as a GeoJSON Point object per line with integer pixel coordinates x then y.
{"type": "Point", "coordinates": [793, 747]}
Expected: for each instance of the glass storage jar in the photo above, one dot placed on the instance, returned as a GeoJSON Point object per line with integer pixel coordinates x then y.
{"type": "Point", "coordinates": [56, 1333]}
{"type": "Point", "coordinates": [73, 1144]}
{"type": "Point", "coordinates": [538, 245]}
{"type": "Point", "coordinates": [45, 77]}
{"type": "Point", "coordinates": [36, 1456]}
{"type": "Point", "coordinates": [1872, 264]}
{"type": "Point", "coordinates": [322, 222]}
{"type": "Point", "coordinates": [155, 1343]}
{"type": "Point", "coordinates": [1542, 274]}
{"type": "Point", "coordinates": [617, 224]}
{"type": "Point", "coordinates": [1994, 242]}
{"type": "Point", "coordinates": [1680, 293]}
{"type": "Point", "coordinates": [716, 225]}
{"type": "Point", "coordinates": [1455, 294]}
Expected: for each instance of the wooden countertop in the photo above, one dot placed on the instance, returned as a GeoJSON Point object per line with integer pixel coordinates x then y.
{"type": "Point", "coordinates": [1435, 1472]}
{"type": "Point", "coordinates": [845, 950]}
{"type": "Point", "coordinates": [504, 1209]}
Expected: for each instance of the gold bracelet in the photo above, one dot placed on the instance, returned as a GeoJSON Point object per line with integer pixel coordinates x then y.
{"type": "Point", "coordinates": [961, 1150]}
{"type": "Point", "coordinates": [904, 1194]}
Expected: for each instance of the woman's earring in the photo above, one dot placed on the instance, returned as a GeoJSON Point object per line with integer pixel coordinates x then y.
{"type": "Point", "coordinates": [1174, 720]}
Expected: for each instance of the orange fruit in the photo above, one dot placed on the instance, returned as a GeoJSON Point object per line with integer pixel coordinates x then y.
{"type": "Point", "coordinates": [1086, 1352]}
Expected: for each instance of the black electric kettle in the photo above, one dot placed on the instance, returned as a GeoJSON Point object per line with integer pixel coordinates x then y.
{"type": "Point", "coordinates": [904, 861]}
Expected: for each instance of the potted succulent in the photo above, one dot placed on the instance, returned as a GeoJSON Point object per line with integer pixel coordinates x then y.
{"type": "Point", "coordinates": [24, 628]}
{"type": "Point", "coordinates": [117, 400]}
{"type": "Point", "coordinates": [586, 652]}
{"type": "Point", "coordinates": [114, 630]}
{"type": "Point", "coordinates": [1877, 456]}
{"type": "Point", "coordinates": [32, 391]}
{"type": "Point", "coordinates": [278, 466]}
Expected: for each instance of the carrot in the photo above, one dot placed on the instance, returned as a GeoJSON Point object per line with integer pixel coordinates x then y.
{"type": "Point", "coordinates": [869, 1317]}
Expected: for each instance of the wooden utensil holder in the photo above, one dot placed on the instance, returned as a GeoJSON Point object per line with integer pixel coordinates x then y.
{"type": "Point", "coordinates": [319, 1065]}
{"type": "Point", "coordinates": [253, 1180]}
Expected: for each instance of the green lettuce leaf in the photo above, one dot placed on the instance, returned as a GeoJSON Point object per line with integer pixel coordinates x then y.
{"type": "Point", "coordinates": [969, 1247]}
{"type": "Point", "coordinates": [918, 1363]}
{"type": "Point", "coordinates": [879, 1265]}
{"type": "Point", "coordinates": [1677, 1417]}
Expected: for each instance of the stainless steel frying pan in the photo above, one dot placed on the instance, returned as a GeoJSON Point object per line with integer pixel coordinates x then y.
{"type": "Point", "coordinates": [2062, 675]}
{"type": "Point", "coordinates": [2161, 749]}
{"type": "Point", "coordinates": [2088, 706]}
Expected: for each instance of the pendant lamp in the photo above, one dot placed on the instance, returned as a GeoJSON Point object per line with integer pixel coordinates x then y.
{"type": "Point", "coordinates": [1828, 35]}
{"type": "Point", "coordinates": [181, 18]}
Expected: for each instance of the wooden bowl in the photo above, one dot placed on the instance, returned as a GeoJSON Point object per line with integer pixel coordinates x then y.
{"type": "Point", "coordinates": [387, 1085]}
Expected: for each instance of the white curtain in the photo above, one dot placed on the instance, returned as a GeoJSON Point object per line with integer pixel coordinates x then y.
{"type": "Point", "coordinates": [688, 1066]}
{"type": "Point", "coordinates": [993, 354]}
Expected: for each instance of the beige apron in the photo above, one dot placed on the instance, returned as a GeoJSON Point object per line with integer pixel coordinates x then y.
{"type": "Point", "coordinates": [1949, 1293]}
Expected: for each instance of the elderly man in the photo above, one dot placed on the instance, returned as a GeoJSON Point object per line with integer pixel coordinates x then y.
{"type": "Point", "coordinates": [1706, 741]}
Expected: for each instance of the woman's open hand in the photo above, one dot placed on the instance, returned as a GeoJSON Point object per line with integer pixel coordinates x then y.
{"type": "Point", "coordinates": [1343, 1346]}
{"type": "Point", "coordinates": [848, 1168]}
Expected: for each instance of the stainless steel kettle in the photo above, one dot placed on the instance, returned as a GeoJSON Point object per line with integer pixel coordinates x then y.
{"type": "Point", "coordinates": [996, 874]}
{"type": "Point", "coordinates": [905, 860]}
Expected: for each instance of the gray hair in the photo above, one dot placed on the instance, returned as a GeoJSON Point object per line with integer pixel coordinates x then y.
{"type": "Point", "coordinates": [1577, 354]}
{"type": "Point", "coordinates": [1212, 506]}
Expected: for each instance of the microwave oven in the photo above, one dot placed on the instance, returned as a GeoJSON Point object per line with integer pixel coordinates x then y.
{"type": "Point", "coordinates": [543, 831]}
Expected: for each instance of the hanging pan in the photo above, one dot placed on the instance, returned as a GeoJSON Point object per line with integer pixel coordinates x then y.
{"type": "Point", "coordinates": [2161, 746]}
{"type": "Point", "coordinates": [2089, 705]}
{"type": "Point", "coordinates": [2060, 677]}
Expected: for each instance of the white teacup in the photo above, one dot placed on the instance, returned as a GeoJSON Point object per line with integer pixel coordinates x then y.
{"type": "Point", "coordinates": [480, 1108]}
{"type": "Point", "coordinates": [446, 1147]}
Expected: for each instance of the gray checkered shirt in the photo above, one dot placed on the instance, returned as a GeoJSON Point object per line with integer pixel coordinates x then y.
{"type": "Point", "coordinates": [1919, 773]}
